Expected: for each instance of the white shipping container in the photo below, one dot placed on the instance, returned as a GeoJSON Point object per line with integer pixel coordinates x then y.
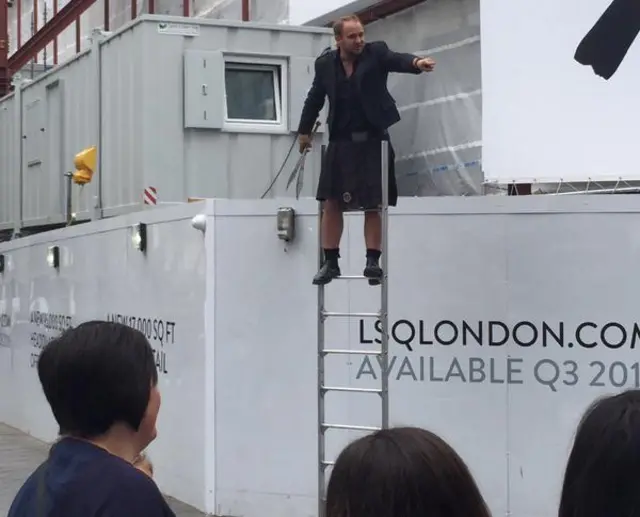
{"type": "Point", "coordinates": [165, 102]}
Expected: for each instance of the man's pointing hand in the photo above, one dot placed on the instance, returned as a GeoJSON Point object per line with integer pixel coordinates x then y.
{"type": "Point", "coordinates": [426, 64]}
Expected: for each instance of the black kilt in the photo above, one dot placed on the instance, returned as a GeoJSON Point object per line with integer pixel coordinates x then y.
{"type": "Point", "coordinates": [352, 175]}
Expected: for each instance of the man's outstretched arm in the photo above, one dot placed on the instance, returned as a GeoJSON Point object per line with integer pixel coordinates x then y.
{"type": "Point", "coordinates": [403, 62]}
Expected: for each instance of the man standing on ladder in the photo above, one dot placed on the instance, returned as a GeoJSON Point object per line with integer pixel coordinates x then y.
{"type": "Point", "coordinates": [361, 109]}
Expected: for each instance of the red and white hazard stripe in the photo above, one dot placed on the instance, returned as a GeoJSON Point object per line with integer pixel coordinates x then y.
{"type": "Point", "coordinates": [150, 196]}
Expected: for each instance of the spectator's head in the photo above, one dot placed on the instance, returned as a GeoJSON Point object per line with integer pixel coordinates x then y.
{"type": "Point", "coordinates": [402, 472]}
{"type": "Point", "coordinates": [601, 477]}
{"type": "Point", "coordinates": [100, 380]}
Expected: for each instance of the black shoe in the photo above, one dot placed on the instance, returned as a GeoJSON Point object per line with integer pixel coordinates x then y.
{"type": "Point", "coordinates": [373, 271]}
{"type": "Point", "coordinates": [327, 272]}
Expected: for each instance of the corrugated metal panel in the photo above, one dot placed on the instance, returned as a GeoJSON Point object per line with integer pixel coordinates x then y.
{"type": "Point", "coordinates": [123, 89]}
{"type": "Point", "coordinates": [57, 124]}
{"type": "Point", "coordinates": [140, 127]}
{"type": "Point", "coordinates": [9, 173]}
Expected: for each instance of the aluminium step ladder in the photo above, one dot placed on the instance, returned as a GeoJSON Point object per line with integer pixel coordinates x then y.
{"type": "Point", "coordinates": [382, 354]}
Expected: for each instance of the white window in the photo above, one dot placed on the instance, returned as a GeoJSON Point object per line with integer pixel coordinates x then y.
{"type": "Point", "coordinates": [256, 94]}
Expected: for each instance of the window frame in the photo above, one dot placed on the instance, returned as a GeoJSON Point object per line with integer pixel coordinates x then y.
{"type": "Point", "coordinates": [279, 69]}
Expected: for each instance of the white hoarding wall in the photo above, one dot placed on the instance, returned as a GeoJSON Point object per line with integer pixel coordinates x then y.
{"type": "Point", "coordinates": [438, 142]}
{"type": "Point", "coordinates": [545, 116]}
{"type": "Point", "coordinates": [500, 338]}
{"type": "Point", "coordinates": [102, 276]}
{"type": "Point", "coordinates": [270, 11]}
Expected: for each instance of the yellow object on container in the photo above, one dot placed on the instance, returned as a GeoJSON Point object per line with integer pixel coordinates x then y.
{"type": "Point", "coordinates": [85, 162]}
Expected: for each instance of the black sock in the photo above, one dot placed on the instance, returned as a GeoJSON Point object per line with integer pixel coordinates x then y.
{"type": "Point", "coordinates": [374, 254]}
{"type": "Point", "coordinates": [332, 255]}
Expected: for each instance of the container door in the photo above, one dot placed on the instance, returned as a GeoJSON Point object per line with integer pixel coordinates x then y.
{"type": "Point", "coordinates": [55, 147]}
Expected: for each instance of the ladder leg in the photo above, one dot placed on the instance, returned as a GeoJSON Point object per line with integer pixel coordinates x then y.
{"type": "Point", "coordinates": [384, 288]}
{"type": "Point", "coordinates": [384, 349]}
{"type": "Point", "coordinates": [321, 381]}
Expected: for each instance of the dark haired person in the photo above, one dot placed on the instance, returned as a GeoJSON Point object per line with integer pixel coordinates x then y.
{"type": "Point", "coordinates": [100, 380]}
{"type": "Point", "coordinates": [402, 472]}
{"type": "Point", "coordinates": [601, 477]}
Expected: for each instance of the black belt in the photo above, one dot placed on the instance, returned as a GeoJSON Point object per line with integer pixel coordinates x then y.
{"type": "Point", "coordinates": [361, 136]}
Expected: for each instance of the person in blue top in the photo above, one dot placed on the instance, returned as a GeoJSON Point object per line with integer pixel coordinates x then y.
{"type": "Point", "coordinates": [100, 380]}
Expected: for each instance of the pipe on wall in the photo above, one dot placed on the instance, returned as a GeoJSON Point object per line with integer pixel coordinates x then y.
{"type": "Point", "coordinates": [245, 11]}
{"type": "Point", "coordinates": [19, 24]}
{"type": "Point", "coordinates": [35, 25]}
{"type": "Point", "coordinates": [55, 40]}
{"type": "Point", "coordinates": [107, 14]}
{"type": "Point", "coordinates": [4, 49]}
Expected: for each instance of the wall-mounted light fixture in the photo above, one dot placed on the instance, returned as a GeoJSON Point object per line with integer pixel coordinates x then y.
{"type": "Point", "coordinates": [286, 222]}
{"type": "Point", "coordinates": [53, 257]}
{"type": "Point", "coordinates": [199, 222]}
{"type": "Point", "coordinates": [139, 237]}
{"type": "Point", "coordinates": [1, 264]}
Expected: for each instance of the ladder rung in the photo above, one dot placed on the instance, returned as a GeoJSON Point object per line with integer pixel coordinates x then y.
{"type": "Point", "coordinates": [353, 352]}
{"type": "Point", "coordinates": [351, 390]}
{"type": "Point", "coordinates": [328, 463]}
{"type": "Point", "coordinates": [350, 427]}
{"type": "Point", "coordinates": [352, 314]}
{"type": "Point", "coordinates": [351, 277]}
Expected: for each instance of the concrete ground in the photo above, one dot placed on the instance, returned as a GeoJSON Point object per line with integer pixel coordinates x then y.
{"type": "Point", "coordinates": [20, 454]}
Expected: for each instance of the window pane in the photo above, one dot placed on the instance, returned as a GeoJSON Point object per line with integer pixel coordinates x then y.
{"type": "Point", "coordinates": [250, 93]}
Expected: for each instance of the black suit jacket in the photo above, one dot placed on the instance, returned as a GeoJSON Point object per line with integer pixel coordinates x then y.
{"type": "Point", "coordinates": [376, 62]}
